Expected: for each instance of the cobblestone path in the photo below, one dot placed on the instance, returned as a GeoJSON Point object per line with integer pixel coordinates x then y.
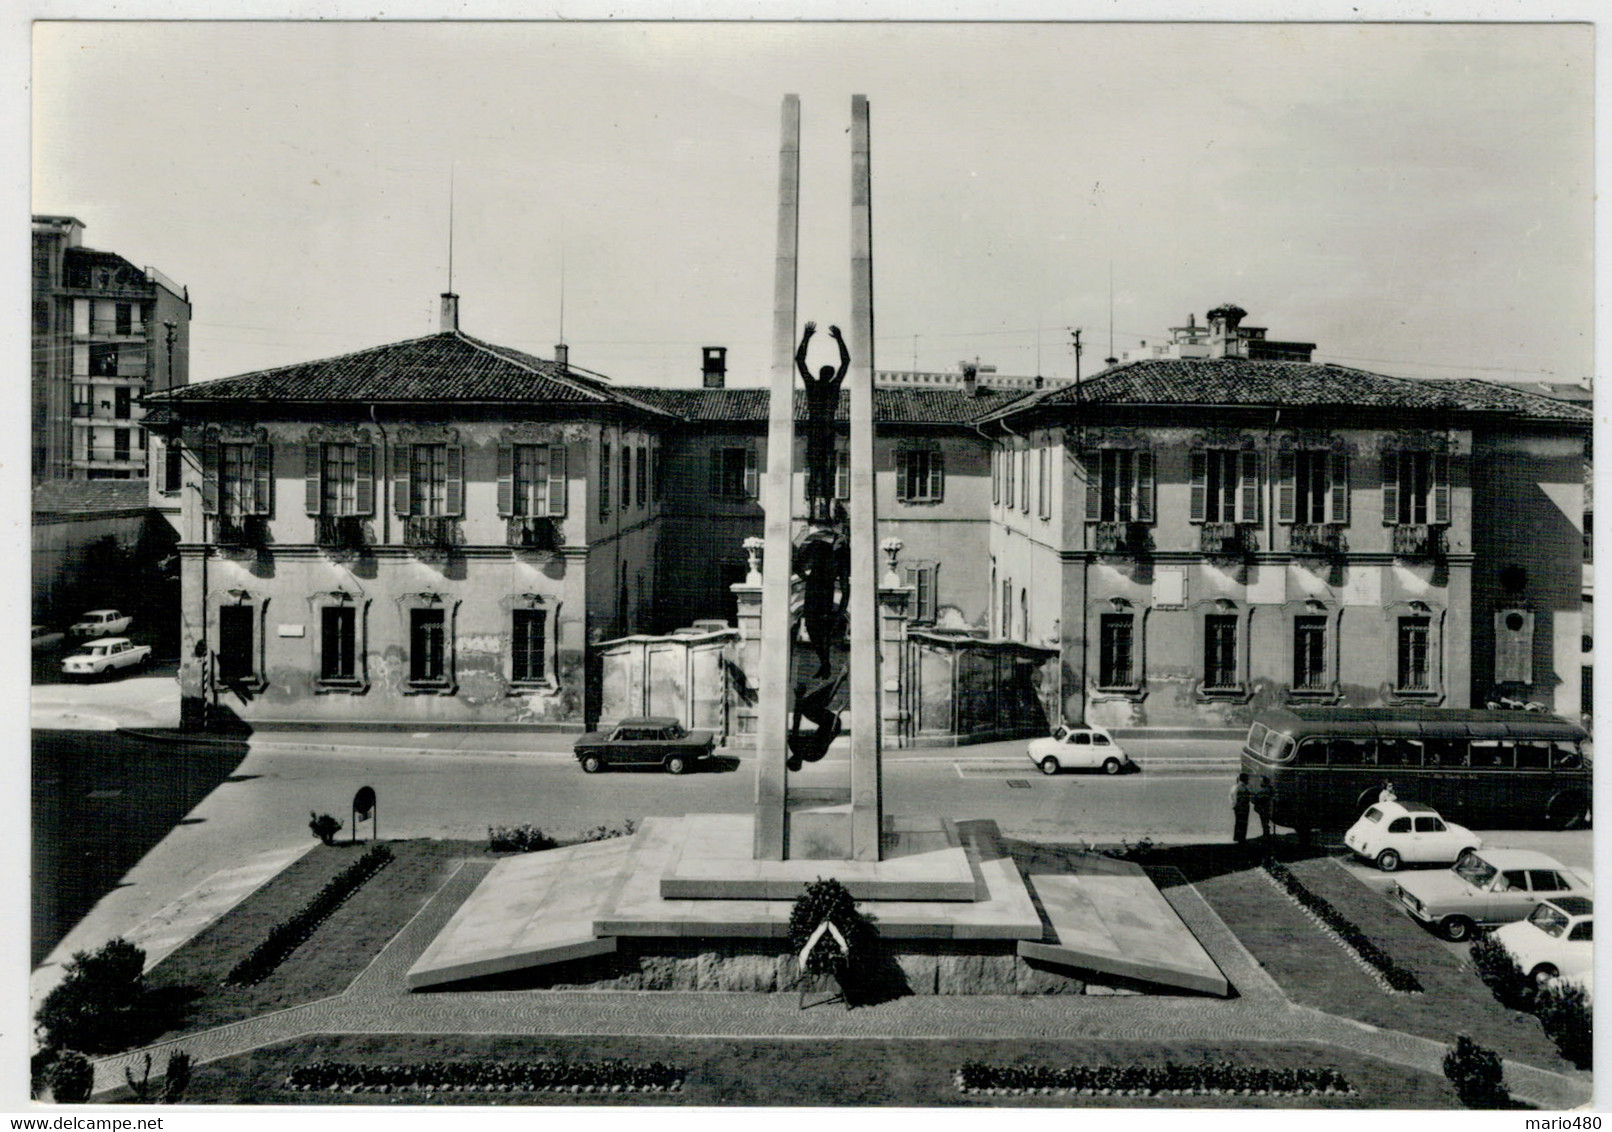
{"type": "Point", "coordinates": [378, 1002]}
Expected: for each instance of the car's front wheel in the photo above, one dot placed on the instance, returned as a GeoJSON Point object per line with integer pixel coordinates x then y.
{"type": "Point", "coordinates": [1543, 974]}
{"type": "Point", "coordinates": [1458, 929]}
{"type": "Point", "coordinates": [1111, 766]}
{"type": "Point", "coordinates": [591, 764]}
{"type": "Point", "coordinates": [1388, 860]}
{"type": "Point", "coordinates": [676, 764]}
{"type": "Point", "coordinates": [1049, 765]}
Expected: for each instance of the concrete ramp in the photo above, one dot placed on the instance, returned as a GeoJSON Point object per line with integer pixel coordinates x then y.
{"type": "Point", "coordinates": [530, 910]}
{"type": "Point", "coordinates": [1108, 916]}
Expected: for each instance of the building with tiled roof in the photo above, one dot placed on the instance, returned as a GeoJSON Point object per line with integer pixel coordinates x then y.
{"type": "Point", "coordinates": [445, 530]}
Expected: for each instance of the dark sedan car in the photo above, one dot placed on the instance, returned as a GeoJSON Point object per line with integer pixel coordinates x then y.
{"type": "Point", "coordinates": [650, 741]}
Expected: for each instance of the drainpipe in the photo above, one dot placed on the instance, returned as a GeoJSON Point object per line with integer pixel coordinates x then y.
{"type": "Point", "coordinates": [384, 475]}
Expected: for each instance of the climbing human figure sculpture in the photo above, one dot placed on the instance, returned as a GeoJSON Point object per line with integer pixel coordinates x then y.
{"type": "Point", "coordinates": [822, 403]}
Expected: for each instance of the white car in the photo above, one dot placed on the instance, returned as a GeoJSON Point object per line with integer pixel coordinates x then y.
{"type": "Point", "coordinates": [100, 623]}
{"type": "Point", "coordinates": [99, 657]}
{"type": "Point", "coordinates": [1555, 941]}
{"type": "Point", "coordinates": [1087, 747]}
{"type": "Point", "coordinates": [1395, 833]}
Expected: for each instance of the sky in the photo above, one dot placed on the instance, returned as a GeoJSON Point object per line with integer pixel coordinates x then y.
{"type": "Point", "coordinates": [1414, 199]}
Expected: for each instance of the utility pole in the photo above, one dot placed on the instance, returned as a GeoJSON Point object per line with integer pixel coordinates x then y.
{"type": "Point", "coordinates": [1075, 334]}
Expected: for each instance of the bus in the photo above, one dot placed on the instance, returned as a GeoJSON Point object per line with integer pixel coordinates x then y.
{"type": "Point", "coordinates": [1492, 769]}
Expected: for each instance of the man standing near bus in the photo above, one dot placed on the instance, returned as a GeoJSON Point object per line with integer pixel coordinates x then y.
{"type": "Point", "coordinates": [1239, 808]}
{"type": "Point", "coordinates": [1260, 795]}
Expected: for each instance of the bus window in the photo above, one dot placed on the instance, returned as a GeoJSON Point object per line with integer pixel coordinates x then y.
{"type": "Point", "coordinates": [1399, 752]}
{"type": "Point", "coordinates": [1279, 747]}
{"type": "Point", "coordinates": [1490, 754]}
{"type": "Point", "coordinates": [1257, 734]}
{"type": "Point", "coordinates": [1312, 752]}
{"type": "Point", "coordinates": [1352, 752]}
{"type": "Point", "coordinates": [1564, 755]}
{"type": "Point", "coordinates": [1533, 756]}
{"type": "Point", "coordinates": [1444, 752]}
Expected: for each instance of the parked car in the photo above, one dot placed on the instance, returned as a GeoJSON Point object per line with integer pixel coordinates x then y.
{"type": "Point", "coordinates": [98, 657]}
{"type": "Point", "coordinates": [651, 740]}
{"type": "Point", "coordinates": [44, 638]}
{"type": "Point", "coordinates": [1085, 747]}
{"type": "Point", "coordinates": [1487, 887]}
{"type": "Point", "coordinates": [100, 623]}
{"type": "Point", "coordinates": [1395, 833]}
{"type": "Point", "coordinates": [1555, 941]}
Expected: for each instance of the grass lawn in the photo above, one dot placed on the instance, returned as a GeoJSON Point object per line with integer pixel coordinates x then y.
{"type": "Point", "coordinates": [816, 1072]}
{"type": "Point", "coordinates": [338, 952]}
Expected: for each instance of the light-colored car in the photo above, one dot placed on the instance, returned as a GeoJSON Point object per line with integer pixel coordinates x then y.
{"type": "Point", "coordinates": [100, 623]}
{"type": "Point", "coordinates": [1089, 748]}
{"type": "Point", "coordinates": [98, 657]}
{"type": "Point", "coordinates": [1395, 833]}
{"type": "Point", "coordinates": [1557, 940]}
{"type": "Point", "coordinates": [44, 638]}
{"type": "Point", "coordinates": [1487, 887]}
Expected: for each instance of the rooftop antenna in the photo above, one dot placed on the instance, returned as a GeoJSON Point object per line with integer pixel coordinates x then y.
{"type": "Point", "coordinates": [562, 287]}
{"type": "Point", "coordinates": [1111, 359]}
{"type": "Point", "coordinates": [450, 228]}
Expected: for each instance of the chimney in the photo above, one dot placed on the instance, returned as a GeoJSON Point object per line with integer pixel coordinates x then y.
{"type": "Point", "coordinates": [450, 313]}
{"type": "Point", "coordinates": [1224, 341]}
{"type": "Point", "coordinates": [971, 385]}
{"type": "Point", "coordinates": [562, 356]}
{"type": "Point", "coordinates": [1039, 381]}
{"type": "Point", "coordinates": [715, 366]}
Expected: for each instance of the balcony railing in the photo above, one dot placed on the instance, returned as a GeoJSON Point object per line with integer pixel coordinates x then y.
{"type": "Point", "coordinates": [342, 532]}
{"type": "Point", "coordinates": [1419, 540]}
{"type": "Point", "coordinates": [534, 533]}
{"type": "Point", "coordinates": [1122, 538]}
{"type": "Point", "coordinates": [1323, 540]}
{"type": "Point", "coordinates": [242, 530]}
{"type": "Point", "coordinates": [108, 326]}
{"type": "Point", "coordinates": [1228, 540]}
{"type": "Point", "coordinates": [430, 532]}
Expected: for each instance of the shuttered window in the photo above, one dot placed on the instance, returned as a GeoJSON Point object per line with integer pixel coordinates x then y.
{"type": "Point", "coordinates": [1119, 485]}
{"type": "Point", "coordinates": [1225, 486]}
{"type": "Point", "coordinates": [734, 474]}
{"type": "Point", "coordinates": [920, 475]}
{"type": "Point", "coordinates": [1416, 488]}
{"type": "Point", "coordinates": [531, 480]}
{"type": "Point", "coordinates": [339, 479]}
{"type": "Point", "coordinates": [1313, 487]}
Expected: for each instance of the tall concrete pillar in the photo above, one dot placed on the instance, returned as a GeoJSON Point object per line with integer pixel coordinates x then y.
{"type": "Point", "coordinates": [867, 795]}
{"type": "Point", "coordinates": [773, 690]}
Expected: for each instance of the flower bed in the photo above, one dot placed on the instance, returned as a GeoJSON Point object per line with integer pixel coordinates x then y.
{"type": "Point", "coordinates": [289, 934]}
{"type": "Point", "coordinates": [488, 1077]}
{"type": "Point", "coordinates": [1378, 963]}
{"type": "Point", "coordinates": [1219, 1079]}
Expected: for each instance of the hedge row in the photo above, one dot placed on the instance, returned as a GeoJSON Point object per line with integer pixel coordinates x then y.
{"type": "Point", "coordinates": [1397, 977]}
{"type": "Point", "coordinates": [289, 934]}
{"type": "Point", "coordinates": [1562, 1007]}
{"type": "Point", "coordinates": [1221, 1078]}
{"type": "Point", "coordinates": [612, 1076]}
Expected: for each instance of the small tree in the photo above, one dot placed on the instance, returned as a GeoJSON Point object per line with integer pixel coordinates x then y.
{"type": "Point", "coordinates": [1496, 967]}
{"type": "Point", "coordinates": [1477, 1075]}
{"type": "Point", "coordinates": [97, 1005]}
{"type": "Point", "coordinates": [324, 827]}
{"type": "Point", "coordinates": [71, 1078]}
{"type": "Point", "coordinates": [178, 1077]}
{"type": "Point", "coordinates": [1568, 1020]}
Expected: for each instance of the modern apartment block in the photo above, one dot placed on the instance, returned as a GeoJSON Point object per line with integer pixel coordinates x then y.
{"type": "Point", "coordinates": [105, 333]}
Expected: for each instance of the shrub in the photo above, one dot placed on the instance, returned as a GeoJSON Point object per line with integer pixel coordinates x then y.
{"type": "Point", "coordinates": [488, 1076]}
{"type": "Point", "coordinates": [606, 832]}
{"type": "Point", "coordinates": [1397, 977]}
{"type": "Point", "coordinates": [518, 839]}
{"type": "Point", "coordinates": [177, 1079]}
{"type": "Point", "coordinates": [97, 1005]}
{"type": "Point", "coordinates": [324, 827]}
{"type": "Point", "coordinates": [1476, 1074]}
{"type": "Point", "coordinates": [39, 1070]}
{"type": "Point", "coordinates": [1119, 1080]}
{"type": "Point", "coordinates": [1496, 967]}
{"type": "Point", "coordinates": [1567, 1016]}
{"type": "Point", "coordinates": [71, 1078]}
{"type": "Point", "coordinates": [289, 934]}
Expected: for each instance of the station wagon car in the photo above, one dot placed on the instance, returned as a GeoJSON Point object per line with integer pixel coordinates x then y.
{"type": "Point", "coordinates": [1391, 833]}
{"type": "Point", "coordinates": [1087, 747]}
{"type": "Point", "coordinates": [1557, 940]}
{"type": "Point", "coordinates": [100, 623]}
{"type": "Point", "coordinates": [651, 740]}
{"type": "Point", "coordinates": [1488, 887]}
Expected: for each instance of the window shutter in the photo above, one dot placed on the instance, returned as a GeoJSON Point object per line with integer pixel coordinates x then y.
{"type": "Point", "coordinates": [937, 476]}
{"type": "Point", "coordinates": [364, 481]}
{"type": "Point", "coordinates": [1093, 459]}
{"type": "Point", "coordinates": [1248, 505]}
{"type": "Point", "coordinates": [210, 459]}
{"type": "Point", "coordinates": [1390, 488]}
{"type": "Point", "coordinates": [1144, 487]}
{"type": "Point", "coordinates": [455, 486]}
{"type": "Point", "coordinates": [557, 481]}
{"type": "Point", "coordinates": [1286, 488]}
{"type": "Point", "coordinates": [901, 457]}
{"type": "Point", "coordinates": [506, 480]}
{"type": "Point", "coordinates": [716, 471]}
{"type": "Point", "coordinates": [262, 479]}
{"type": "Point", "coordinates": [1339, 487]}
{"type": "Point", "coordinates": [752, 477]}
{"type": "Point", "coordinates": [402, 502]}
{"type": "Point", "coordinates": [996, 475]}
{"type": "Point", "coordinates": [1024, 480]}
{"type": "Point", "coordinates": [1440, 508]}
{"type": "Point", "coordinates": [1199, 488]}
{"type": "Point", "coordinates": [312, 496]}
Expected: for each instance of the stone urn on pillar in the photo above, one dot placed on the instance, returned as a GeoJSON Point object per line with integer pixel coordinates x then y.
{"type": "Point", "coordinates": [892, 548]}
{"type": "Point", "coordinates": [752, 551]}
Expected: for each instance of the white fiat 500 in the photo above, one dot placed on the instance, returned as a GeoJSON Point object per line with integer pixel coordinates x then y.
{"type": "Point", "coordinates": [1089, 748]}
{"type": "Point", "coordinates": [1555, 941]}
{"type": "Point", "coordinates": [1395, 833]}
